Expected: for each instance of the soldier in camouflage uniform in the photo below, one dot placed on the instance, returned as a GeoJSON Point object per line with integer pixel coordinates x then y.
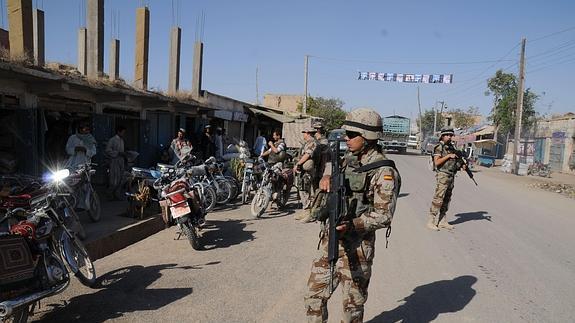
{"type": "Point", "coordinates": [446, 165]}
{"type": "Point", "coordinates": [306, 163]}
{"type": "Point", "coordinates": [373, 196]}
{"type": "Point", "coordinates": [323, 156]}
{"type": "Point", "coordinates": [324, 153]}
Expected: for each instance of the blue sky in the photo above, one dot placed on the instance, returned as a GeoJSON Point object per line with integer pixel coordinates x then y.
{"type": "Point", "coordinates": [345, 37]}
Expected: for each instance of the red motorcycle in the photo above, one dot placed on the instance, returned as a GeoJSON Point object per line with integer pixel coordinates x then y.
{"type": "Point", "coordinates": [38, 254]}
{"type": "Point", "coordinates": [180, 205]}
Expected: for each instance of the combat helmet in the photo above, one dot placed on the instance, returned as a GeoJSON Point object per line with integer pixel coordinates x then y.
{"type": "Point", "coordinates": [318, 125]}
{"type": "Point", "coordinates": [446, 131]}
{"type": "Point", "coordinates": [365, 121]}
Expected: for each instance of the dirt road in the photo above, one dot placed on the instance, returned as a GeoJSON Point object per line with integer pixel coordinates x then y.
{"type": "Point", "coordinates": [509, 259]}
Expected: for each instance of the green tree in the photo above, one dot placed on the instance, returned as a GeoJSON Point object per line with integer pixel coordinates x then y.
{"type": "Point", "coordinates": [427, 119]}
{"type": "Point", "coordinates": [330, 110]}
{"type": "Point", "coordinates": [503, 87]}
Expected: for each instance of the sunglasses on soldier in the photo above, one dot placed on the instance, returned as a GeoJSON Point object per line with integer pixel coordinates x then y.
{"type": "Point", "coordinates": [352, 134]}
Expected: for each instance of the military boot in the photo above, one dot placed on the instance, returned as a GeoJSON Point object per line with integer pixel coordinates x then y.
{"type": "Point", "coordinates": [432, 223]}
{"type": "Point", "coordinates": [301, 215]}
{"type": "Point", "coordinates": [443, 224]}
{"type": "Point", "coordinates": [308, 217]}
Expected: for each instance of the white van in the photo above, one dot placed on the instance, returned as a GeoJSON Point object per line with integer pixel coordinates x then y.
{"type": "Point", "coordinates": [412, 142]}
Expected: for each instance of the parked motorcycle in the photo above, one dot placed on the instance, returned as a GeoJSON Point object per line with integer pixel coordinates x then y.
{"type": "Point", "coordinates": [21, 197]}
{"type": "Point", "coordinates": [83, 195]}
{"type": "Point", "coordinates": [539, 169]}
{"type": "Point", "coordinates": [181, 204]}
{"type": "Point", "coordinates": [249, 182]}
{"type": "Point", "coordinates": [142, 193]}
{"type": "Point", "coordinates": [39, 253]}
{"type": "Point", "coordinates": [275, 186]}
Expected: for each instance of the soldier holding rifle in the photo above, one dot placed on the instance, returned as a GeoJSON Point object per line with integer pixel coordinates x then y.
{"type": "Point", "coordinates": [446, 162]}
{"type": "Point", "coordinates": [362, 192]}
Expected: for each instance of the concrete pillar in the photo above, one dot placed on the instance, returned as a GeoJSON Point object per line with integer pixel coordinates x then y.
{"type": "Point", "coordinates": [4, 42]}
{"type": "Point", "coordinates": [175, 43]}
{"type": "Point", "coordinates": [142, 46]}
{"type": "Point", "coordinates": [21, 36]}
{"type": "Point", "coordinates": [197, 73]}
{"type": "Point", "coordinates": [95, 38]}
{"type": "Point", "coordinates": [38, 23]}
{"type": "Point", "coordinates": [82, 57]}
{"type": "Point", "coordinates": [114, 72]}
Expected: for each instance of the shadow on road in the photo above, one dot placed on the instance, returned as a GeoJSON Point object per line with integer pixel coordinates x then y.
{"type": "Point", "coordinates": [225, 233]}
{"type": "Point", "coordinates": [121, 291]}
{"type": "Point", "coordinates": [470, 216]}
{"type": "Point", "coordinates": [402, 195]}
{"type": "Point", "coordinates": [428, 301]}
{"type": "Point", "coordinates": [229, 206]}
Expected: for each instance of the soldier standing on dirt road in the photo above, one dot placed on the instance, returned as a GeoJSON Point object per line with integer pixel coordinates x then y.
{"type": "Point", "coordinates": [374, 194]}
{"type": "Point", "coordinates": [445, 166]}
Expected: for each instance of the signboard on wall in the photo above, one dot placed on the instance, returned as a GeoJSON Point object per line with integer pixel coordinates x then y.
{"type": "Point", "coordinates": [240, 116]}
{"type": "Point", "coordinates": [223, 114]}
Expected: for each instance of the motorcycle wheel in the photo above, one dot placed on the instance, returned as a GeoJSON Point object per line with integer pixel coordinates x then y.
{"type": "Point", "coordinates": [95, 209]}
{"type": "Point", "coordinates": [284, 196]}
{"type": "Point", "coordinates": [20, 315]}
{"type": "Point", "coordinates": [76, 256]}
{"type": "Point", "coordinates": [209, 199]}
{"type": "Point", "coordinates": [260, 202]}
{"type": "Point", "coordinates": [224, 194]}
{"type": "Point", "coordinates": [235, 186]}
{"type": "Point", "coordinates": [191, 232]}
{"type": "Point", "coordinates": [246, 191]}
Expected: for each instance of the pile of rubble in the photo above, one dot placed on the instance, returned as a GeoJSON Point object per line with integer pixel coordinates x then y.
{"type": "Point", "coordinates": [564, 189]}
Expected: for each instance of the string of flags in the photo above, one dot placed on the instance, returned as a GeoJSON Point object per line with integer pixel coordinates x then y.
{"type": "Point", "coordinates": [406, 78]}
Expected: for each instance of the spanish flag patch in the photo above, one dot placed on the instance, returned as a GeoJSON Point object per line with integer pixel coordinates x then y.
{"type": "Point", "coordinates": [388, 177]}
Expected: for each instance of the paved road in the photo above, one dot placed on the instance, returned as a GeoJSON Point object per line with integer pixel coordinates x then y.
{"type": "Point", "coordinates": [510, 259]}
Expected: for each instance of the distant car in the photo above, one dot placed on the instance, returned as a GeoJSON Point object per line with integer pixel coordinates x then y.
{"type": "Point", "coordinates": [428, 144]}
{"type": "Point", "coordinates": [412, 142]}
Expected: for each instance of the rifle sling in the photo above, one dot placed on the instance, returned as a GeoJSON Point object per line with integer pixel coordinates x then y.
{"type": "Point", "coordinates": [374, 165]}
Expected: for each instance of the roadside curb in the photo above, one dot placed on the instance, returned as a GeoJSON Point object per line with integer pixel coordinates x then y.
{"type": "Point", "coordinates": [124, 237]}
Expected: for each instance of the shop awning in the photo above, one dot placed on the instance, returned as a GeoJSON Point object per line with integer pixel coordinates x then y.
{"type": "Point", "coordinates": [272, 115]}
{"type": "Point", "coordinates": [485, 131]}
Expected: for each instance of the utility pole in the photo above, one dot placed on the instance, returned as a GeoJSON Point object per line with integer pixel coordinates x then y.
{"type": "Point", "coordinates": [419, 106]}
{"type": "Point", "coordinates": [304, 109]}
{"type": "Point", "coordinates": [257, 88]}
{"type": "Point", "coordinates": [519, 112]}
{"type": "Point", "coordinates": [435, 115]}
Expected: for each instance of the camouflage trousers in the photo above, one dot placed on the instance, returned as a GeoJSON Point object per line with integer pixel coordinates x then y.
{"type": "Point", "coordinates": [442, 197]}
{"type": "Point", "coordinates": [352, 271]}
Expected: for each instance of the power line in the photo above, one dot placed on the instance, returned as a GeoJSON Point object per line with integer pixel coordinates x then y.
{"type": "Point", "coordinates": [552, 34]}
{"type": "Point", "coordinates": [558, 49]}
{"type": "Point", "coordinates": [402, 63]}
{"type": "Point", "coordinates": [551, 65]}
{"type": "Point", "coordinates": [569, 55]}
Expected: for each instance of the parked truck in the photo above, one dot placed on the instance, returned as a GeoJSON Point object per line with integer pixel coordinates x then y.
{"type": "Point", "coordinates": [396, 130]}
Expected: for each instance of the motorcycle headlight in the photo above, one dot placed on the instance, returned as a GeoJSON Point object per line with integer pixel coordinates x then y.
{"type": "Point", "coordinates": [57, 176]}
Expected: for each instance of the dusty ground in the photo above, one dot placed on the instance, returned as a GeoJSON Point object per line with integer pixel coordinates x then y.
{"type": "Point", "coordinates": [509, 259]}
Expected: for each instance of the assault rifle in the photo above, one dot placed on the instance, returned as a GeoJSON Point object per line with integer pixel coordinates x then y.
{"type": "Point", "coordinates": [461, 156]}
{"type": "Point", "coordinates": [336, 203]}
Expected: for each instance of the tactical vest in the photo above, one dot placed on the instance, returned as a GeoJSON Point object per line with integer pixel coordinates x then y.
{"type": "Point", "coordinates": [358, 185]}
{"type": "Point", "coordinates": [451, 165]}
